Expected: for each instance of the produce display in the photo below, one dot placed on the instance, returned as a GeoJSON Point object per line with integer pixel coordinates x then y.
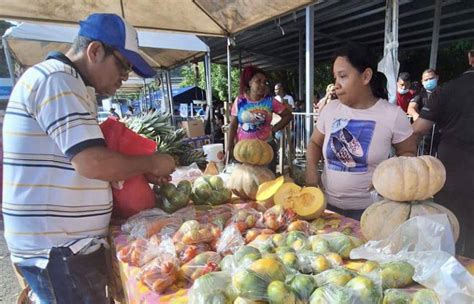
{"type": "Point", "coordinates": [210, 190]}
{"type": "Point", "coordinates": [382, 218]}
{"type": "Point", "coordinates": [278, 244]}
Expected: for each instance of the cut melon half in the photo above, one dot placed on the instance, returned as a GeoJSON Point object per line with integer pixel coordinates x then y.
{"type": "Point", "coordinates": [267, 189]}
{"type": "Point", "coordinates": [309, 204]}
{"type": "Point", "coordinates": [285, 194]}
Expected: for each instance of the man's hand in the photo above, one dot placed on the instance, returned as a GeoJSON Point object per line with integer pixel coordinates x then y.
{"type": "Point", "coordinates": [158, 180]}
{"type": "Point", "coordinates": [162, 165]}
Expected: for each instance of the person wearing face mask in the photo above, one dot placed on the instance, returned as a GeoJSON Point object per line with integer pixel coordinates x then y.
{"type": "Point", "coordinates": [57, 199]}
{"type": "Point", "coordinates": [404, 92]}
{"type": "Point", "coordinates": [429, 81]}
{"type": "Point", "coordinates": [451, 107]}
{"type": "Point", "coordinates": [355, 133]}
{"type": "Point", "coordinates": [252, 112]}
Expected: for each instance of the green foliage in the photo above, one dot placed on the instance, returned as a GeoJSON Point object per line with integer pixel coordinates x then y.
{"type": "Point", "coordinates": [452, 60]}
{"type": "Point", "coordinates": [218, 79]}
{"type": "Point", "coordinates": [322, 77]}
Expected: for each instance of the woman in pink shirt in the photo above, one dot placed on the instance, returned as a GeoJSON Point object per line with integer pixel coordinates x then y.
{"type": "Point", "coordinates": [252, 111]}
{"type": "Point", "coordinates": [355, 133]}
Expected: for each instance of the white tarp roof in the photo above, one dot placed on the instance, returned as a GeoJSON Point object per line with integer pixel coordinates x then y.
{"type": "Point", "coordinates": [30, 42]}
{"type": "Point", "coordinates": [204, 17]}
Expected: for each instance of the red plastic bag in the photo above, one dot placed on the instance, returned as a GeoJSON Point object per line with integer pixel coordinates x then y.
{"type": "Point", "coordinates": [136, 194]}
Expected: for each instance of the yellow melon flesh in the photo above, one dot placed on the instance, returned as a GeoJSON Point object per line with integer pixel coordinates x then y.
{"type": "Point", "coordinates": [285, 193]}
{"type": "Point", "coordinates": [268, 189]}
{"type": "Point", "coordinates": [310, 203]}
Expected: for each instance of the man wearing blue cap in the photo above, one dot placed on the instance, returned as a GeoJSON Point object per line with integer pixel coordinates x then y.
{"type": "Point", "coordinates": [57, 200]}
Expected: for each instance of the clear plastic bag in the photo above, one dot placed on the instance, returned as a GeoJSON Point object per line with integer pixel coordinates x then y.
{"type": "Point", "coordinates": [241, 259]}
{"type": "Point", "coordinates": [263, 280]}
{"type": "Point", "coordinates": [230, 240]}
{"type": "Point", "coordinates": [397, 296]}
{"type": "Point", "coordinates": [252, 234]}
{"type": "Point", "coordinates": [278, 218]}
{"type": "Point", "coordinates": [189, 173]}
{"type": "Point", "coordinates": [336, 276]}
{"type": "Point", "coordinates": [161, 272]}
{"type": "Point", "coordinates": [186, 253]}
{"type": "Point", "coordinates": [313, 263]}
{"type": "Point", "coordinates": [302, 285]}
{"type": "Point", "coordinates": [301, 225]}
{"type": "Point", "coordinates": [156, 221]}
{"type": "Point", "coordinates": [427, 243]}
{"type": "Point", "coordinates": [329, 294]}
{"type": "Point", "coordinates": [192, 232]}
{"type": "Point", "coordinates": [140, 251]}
{"type": "Point", "coordinates": [212, 288]}
{"type": "Point", "coordinates": [200, 265]}
{"type": "Point", "coordinates": [245, 218]}
{"type": "Point", "coordinates": [217, 215]}
{"type": "Point", "coordinates": [336, 242]}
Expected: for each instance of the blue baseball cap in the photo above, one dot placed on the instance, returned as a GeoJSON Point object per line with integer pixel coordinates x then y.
{"type": "Point", "coordinates": [115, 32]}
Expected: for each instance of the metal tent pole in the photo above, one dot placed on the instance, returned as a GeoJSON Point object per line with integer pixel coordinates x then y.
{"type": "Point", "coordinates": [309, 70]}
{"type": "Point", "coordinates": [301, 65]}
{"type": "Point", "coordinates": [170, 95]}
{"type": "Point", "coordinates": [8, 58]}
{"type": "Point", "coordinates": [210, 110]}
{"type": "Point", "coordinates": [163, 106]}
{"type": "Point", "coordinates": [229, 91]}
{"type": "Point", "coordinates": [435, 36]}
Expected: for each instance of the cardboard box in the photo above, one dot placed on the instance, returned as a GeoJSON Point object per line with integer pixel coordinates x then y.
{"type": "Point", "coordinates": [194, 128]}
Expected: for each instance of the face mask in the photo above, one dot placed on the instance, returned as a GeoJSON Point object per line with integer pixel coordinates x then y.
{"type": "Point", "coordinates": [431, 84]}
{"type": "Point", "coordinates": [402, 91]}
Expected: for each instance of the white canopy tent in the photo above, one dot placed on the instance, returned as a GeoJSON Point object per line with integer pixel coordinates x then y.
{"type": "Point", "coordinates": [29, 44]}
{"type": "Point", "coordinates": [204, 17]}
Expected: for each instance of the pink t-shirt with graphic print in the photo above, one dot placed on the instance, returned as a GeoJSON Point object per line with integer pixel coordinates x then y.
{"type": "Point", "coordinates": [355, 142]}
{"type": "Point", "coordinates": [255, 117]}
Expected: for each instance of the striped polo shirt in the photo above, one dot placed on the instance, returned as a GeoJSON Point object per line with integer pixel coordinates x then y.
{"type": "Point", "coordinates": [50, 118]}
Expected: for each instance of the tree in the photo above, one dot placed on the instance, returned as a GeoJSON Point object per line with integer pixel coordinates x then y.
{"type": "Point", "coordinates": [192, 76]}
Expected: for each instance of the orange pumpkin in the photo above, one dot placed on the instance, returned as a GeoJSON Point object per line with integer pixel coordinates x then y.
{"type": "Point", "coordinates": [409, 178]}
{"type": "Point", "coordinates": [253, 152]}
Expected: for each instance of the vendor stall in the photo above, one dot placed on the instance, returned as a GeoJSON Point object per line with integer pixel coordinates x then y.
{"type": "Point", "coordinates": [279, 245]}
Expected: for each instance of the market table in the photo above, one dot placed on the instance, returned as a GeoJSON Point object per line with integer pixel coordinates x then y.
{"type": "Point", "coordinates": [128, 289]}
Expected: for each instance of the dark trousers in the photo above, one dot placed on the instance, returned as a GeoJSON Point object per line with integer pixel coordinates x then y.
{"type": "Point", "coordinates": [69, 278]}
{"type": "Point", "coordinates": [354, 214]}
{"type": "Point", "coordinates": [458, 192]}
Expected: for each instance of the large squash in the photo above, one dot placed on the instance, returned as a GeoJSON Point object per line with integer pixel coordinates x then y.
{"type": "Point", "coordinates": [253, 152]}
{"type": "Point", "coordinates": [308, 202]}
{"type": "Point", "coordinates": [245, 179]}
{"type": "Point", "coordinates": [382, 218]}
{"type": "Point", "coordinates": [409, 178]}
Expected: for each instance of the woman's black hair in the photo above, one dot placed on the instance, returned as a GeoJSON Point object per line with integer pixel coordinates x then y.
{"type": "Point", "coordinates": [246, 76]}
{"type": "Point", "coordinates": [361, 58]}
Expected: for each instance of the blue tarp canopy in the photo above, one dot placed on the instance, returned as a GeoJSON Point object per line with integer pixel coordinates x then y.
{"type": "Point", "coordinates": [184, 94]}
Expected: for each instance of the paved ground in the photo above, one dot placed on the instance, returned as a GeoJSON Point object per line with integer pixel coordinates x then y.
{"type": "Point", "coordinates": [9, 287]}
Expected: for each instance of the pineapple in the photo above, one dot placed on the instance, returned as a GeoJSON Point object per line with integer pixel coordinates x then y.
{"type": "Point", "coordinates": [157, 127]}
